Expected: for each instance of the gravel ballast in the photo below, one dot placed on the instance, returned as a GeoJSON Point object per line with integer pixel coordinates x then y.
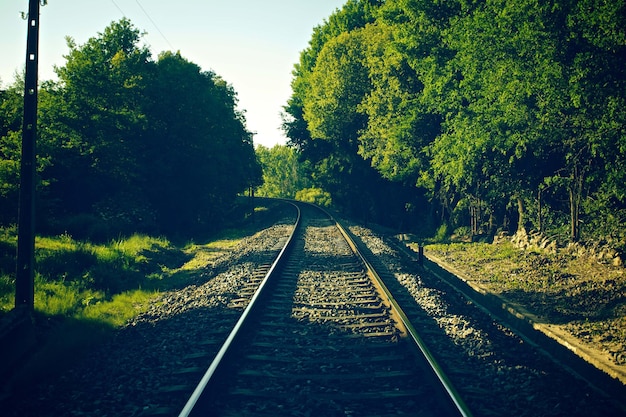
{"type": "Point", "coordinates": [138, 372]}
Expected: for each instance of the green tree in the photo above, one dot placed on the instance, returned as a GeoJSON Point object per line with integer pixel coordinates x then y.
{"type": "Point", "coordinates": [283, 173]}
{"type": "Point", "coordinates": [200, 154]}
{"type": "Point", "coordinates": [94, 123]}
{"type": "Point", "coordinates": [129, 144]}
{"type": "Point", "coordinates": [504, 64]}
{"type": "Point", "coordinates": [399, 127]}
{"type": "Point", "coordinates": [339, 83]}
{"type": "Point", "coordinates": [407, 60]}
{"type": "Point", "coordinates": [591, 120]}
{"type": "Point", "coordinates": [525, 91]}
{"type": "Point", "coordinates": [325, 115]}
{"type": "Point", "coordinates": [354, 14]}
{"type": "Point", "coordinates": [11, 112]}
{"type": "Point", "coordinates": [11, 102]}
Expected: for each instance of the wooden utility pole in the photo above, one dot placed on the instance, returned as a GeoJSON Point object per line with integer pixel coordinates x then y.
{"type": "Point", "coordinates": [24, 283]}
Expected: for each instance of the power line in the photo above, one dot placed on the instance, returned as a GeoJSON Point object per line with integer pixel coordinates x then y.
{"type": "Point", "coordinates": [155, 25]}
{"type": "Point", "coordinates": [118, 8]}
{"type": "Point", "coordinates": [149, 18]}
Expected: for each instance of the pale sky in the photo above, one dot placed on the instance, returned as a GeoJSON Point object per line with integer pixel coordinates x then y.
{"type": "Point", "coordinates": [252, 44]}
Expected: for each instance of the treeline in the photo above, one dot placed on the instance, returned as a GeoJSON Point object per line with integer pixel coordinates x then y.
{"type": "Point", "coordinates": [129, 143]}
{"type": "Point", "coordinates": [286, 175]}
{"type": "Point", "coordinates": [501, 113]}
{"type": "Point", "coordinates": [283, 173]}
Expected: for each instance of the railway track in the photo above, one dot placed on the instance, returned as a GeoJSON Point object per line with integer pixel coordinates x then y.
{"type": "Point", "coordinates": [153, 364]}
{"type": "Point", "coordinates": [321, 335]}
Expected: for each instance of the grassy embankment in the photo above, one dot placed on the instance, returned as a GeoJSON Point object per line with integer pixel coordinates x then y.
{"type": "Point", "coordinates": [84, 291]}
{"type": "Point", "coordinates": [578, 293]}
{"type": "Point", "coordinates": [105, 283]}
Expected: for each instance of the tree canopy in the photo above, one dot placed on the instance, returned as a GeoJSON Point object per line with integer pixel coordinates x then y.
{"type": "Point", "coordinates": [511, 108]}
{"type": "Point", "coordinates": [283, 173]}
{"type": "Point", "coordinates": [130, 142]}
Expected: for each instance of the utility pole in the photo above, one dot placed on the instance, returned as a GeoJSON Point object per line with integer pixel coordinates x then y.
{"type": "Point", "coordinates": [25, 278]}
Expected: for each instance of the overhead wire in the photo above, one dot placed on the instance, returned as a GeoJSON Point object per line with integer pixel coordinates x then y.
{"type": "Point", "coordinates": [149, 18]}
{"type": "Point", "coordinates": [153, 22]}
{"type": "Point", "coordinates": [118, 8]}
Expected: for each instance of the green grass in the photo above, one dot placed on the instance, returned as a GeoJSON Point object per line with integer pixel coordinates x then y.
{"type": "Point", "coordinates": [121, 308]}
{"type": "Point", "coordinates": [102, 282]}
{"type": "Point", "coordinates": [107, 283]}
{"type": "Point", "coordinates": [480, 251]}
{"type": "Point", "coordinates": [84, 291]}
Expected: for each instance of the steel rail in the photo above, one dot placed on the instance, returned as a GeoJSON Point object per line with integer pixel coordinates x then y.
{"type": "Point", "coordinates": [227, 346]}
{"type": "Point", "coordinates": [405, 324]}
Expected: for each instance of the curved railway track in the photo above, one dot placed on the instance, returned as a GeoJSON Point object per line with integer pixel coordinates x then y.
{"type": "Point", "coordinates": [312, 359]}
{"type": "Point", "coordinates": [321, 335]}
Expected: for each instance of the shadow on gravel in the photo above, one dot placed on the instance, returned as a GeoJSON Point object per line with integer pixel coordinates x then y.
{"type": "Point", "coordinates": [131, 372]}
{"type": "Point", "coordinates": [495, 371]}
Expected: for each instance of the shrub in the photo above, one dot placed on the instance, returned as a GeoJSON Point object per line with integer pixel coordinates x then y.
{"type": "Point", "coordinates": [315, 196]}
{"type": "Point", "coordinates": [442, 234]}
{"type": "Point", "coordinates": [462, 233]}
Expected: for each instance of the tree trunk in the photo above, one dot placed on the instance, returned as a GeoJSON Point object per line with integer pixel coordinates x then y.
{"type": "Point", "coordinates": [472, 218]}
{"type": "Point", "coordinates": [479, 216]}
{"type": "Point", "coordinates": [539, 202]}
{"type": "Point", "coordinates": [475, 210]}
{"type": "Point", "coordinates": [574, 204]}
{"type": "Point", "coordinates": [575, 196]}
{"type": "Point", "coordinates": [521, 215]}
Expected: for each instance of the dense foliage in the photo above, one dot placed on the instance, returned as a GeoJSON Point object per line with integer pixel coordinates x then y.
{"type": "Point", "coordinates": [127, 143]}
{"type": "Point", "coordinates": [504, 113]}
{"type": "Point", "coordinates": [283, 174]}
